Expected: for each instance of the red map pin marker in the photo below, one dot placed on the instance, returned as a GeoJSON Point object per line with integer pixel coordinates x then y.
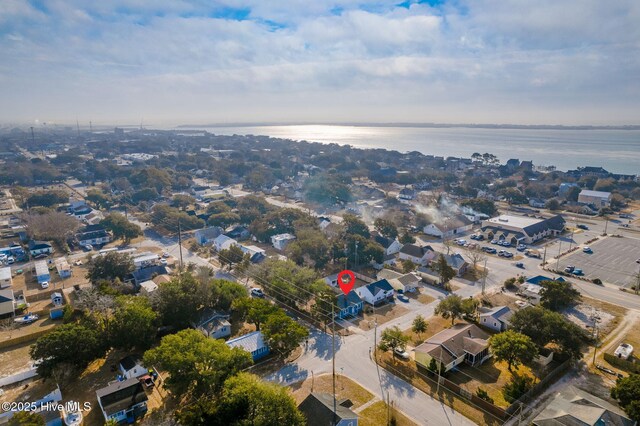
{"type": "Point", "coordinates": [346, 287]}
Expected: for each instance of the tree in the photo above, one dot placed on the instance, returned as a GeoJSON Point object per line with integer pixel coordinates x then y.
{"type": "Point", "coordinates": [197, 365]}
{"type": "Point", "coordinates": [408, 266]}
{"type": "Point", "coordinates": [557, 295]}
{"type": "Point", "coordinates": [245, 400]}
{"type": "Point", "coordinates": [407, 238]}
{"type": "Point", "coordinates": [134, 323]}
{"type": "Point", "coordinates": [179, 300]}
{"type": "Point", "coordinates": [573, 193]}
{"type": "Point", "coordinates": [419, 325]}
{"type": "Point", "coordinates": [450, 307]}
{"type": "Point", "coordinates": [552, 204]}
{"type": "Point", "coordinates": [513, 347]}
{"type": "Point", "coordinates": [470, 307]}
{"type": "Point", "coordinates": [287, 282]}
{"type": "Point", "coordinates": [231, 256]}
{"type": "Point", "coordinates": [627, 392]}
{"type": "Point", "coordinates": [225, 293]}
{"type": "Point", "coordinates": [310, 248]}
{"type": "Point", "coordinates": [47, 198]}
{"type": "Point", "coordinates": [121, 227]}
{"type": "Point", "coordinates": [224, 219]}
{"type": "Point", "coordinates": [283, 334]}
{"type": "Point", "coordinates": [475, 255]}
{"type": "Point", "coordinates": [56, 226]}
{"type": "Point", "coordinates": [324, 302]}
{"type": "Point", "coordinates": [182, 201]}
{"type": "Point", "coordinates": [110, 266]}
{"type": "Point", "coordinates": [392, 338]}
{"type": "Point", "coordinates": [386, 228]}
{"type": "Point", "coordinates": [254, 310]}
{"type": "Point", "coordinates": [71, 344]}
{"type": "Point", "coordinates": [354, 226]}
{"type": "Point", "coordinates": [99, 198]}
{"type": "Point", "coordinates": [544, 326]}
{"type": "Point", "coordinates": [26, 418]}
{"type": "Point", "coordinates": [445, 272]}
{"type": "Point", "coordinates": [481, 205]}
{"type": "Point", "coordinates": [518, 386]}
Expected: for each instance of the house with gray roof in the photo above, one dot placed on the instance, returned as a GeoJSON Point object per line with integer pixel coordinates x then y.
{"type": "Point", "coordinates": [376, 293]}
{"type": "Point", "coordinates": [457, 262]}
{"type": "Point", "coordinates": [449, 226]}
{"type": "Point", "coordinates": [317, 408]}
{"type": "Point", "coordinates": [253, 343]}
{"type": "Point", "coordinates": [496, 318]}
{"type": "Point", "coordinates": [123, 401]}
{"type": "Point", "coordinates": [418, 255]}
{"type": "Point", "coordinates": [573, 406]}
{"type": "Point", "coordinates": [214, 324]}
{"type": "Point", "coordinates": [462, 343]}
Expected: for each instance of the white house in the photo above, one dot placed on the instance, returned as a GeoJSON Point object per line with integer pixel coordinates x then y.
{"type": "Point", "coordinates": [462, 343]}
{"type": "Point", "coordinates": [256, 254]}
{"type": "Point", "coordinates": [280, 241]}
{"type": "Point", "coordinates": [375, 293]}
{"type": "Point", "coordinates": [39, 247]}
{"type": "Point", "coordinates": [63, 268]}
{"type": "Point", "coordinates": [207, 235]}
{"type": "Point", "coordinates": [418, 255]}
{"type": "Point", "coordinates": [131, 366]}
{"type": "Point", "coordinates": [148, 287]}
{"type": "Point", "coordinates": [42, 271]}
{"type": "Point", "coordinates": [595, 198]}
{"type": "Point", "coordinates": [405, 283]}
{"type": "Point", "coordinates": [214, 324]}
{"type": "Point", "coordinates": [145, 259]}
{"type": "Point", "coordinates": [449, 227]}
{"type": "Point", "coordinates": [5, 277]}
{"type": "Point", "coordinates": [122, 400]}
{"type": "Point", "coordinates": [391, 246]}
{"type": "Point", "coordinates": [93, 235]}
{"type": "Point", "coordinates": [222, 242]}
{"type": "Point", "coordinates": [496, 318]}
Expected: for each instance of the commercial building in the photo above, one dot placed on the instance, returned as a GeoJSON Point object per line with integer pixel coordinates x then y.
{"type": "Point", "coordinates": [522, 229]}
{"type": "Point", "coordinates": [597, 199]}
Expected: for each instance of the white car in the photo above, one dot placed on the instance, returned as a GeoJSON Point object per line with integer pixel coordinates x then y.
{"type": "Point", "coordinates": [587, 249]}
{"type": "Point", "coordinates": [401, 353]}
{"type": "Point", "coordinates": [257, 292]}
{"type": "Point", "coordinates": [44, 284]}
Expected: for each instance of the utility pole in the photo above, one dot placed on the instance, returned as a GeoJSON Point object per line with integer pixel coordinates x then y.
{"type": "Point", "coordinates": [638, 282]}
{"type": "Point", "coordinates": [388, 409]}
{"type": "Point", "coordinates": [595, 341]}
{"type": "Point", "coordinates": [484, 275]}
{"type": "Point", "coordinates": [33, 138]}
{"type": "Point", "coordinates": [356, 256]}
{"type": "Point", "coordinates": [180, 244]}
{"type": "Point", "coordinates": [606, 222]}
{"type": "Point", "coordinates": [439, 368]}
{"type": "Point", "coordinates": [544, 256]}
{"type": "Point", "coordinates": [558, 261]}
{"type": "Point", "coordinates": [333, 362]}
{"type": "Point", "coordinates": [571, 240]}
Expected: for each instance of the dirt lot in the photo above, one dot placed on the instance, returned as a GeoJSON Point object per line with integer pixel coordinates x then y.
{"type": "Point", "coordinates": [14, 359]}
{"type": "Point", "coordinates": [610, 315]}
{"type": "Point", "coordinates": [501, 299]}
{"type": "Point", "coordinates": [382, 314]}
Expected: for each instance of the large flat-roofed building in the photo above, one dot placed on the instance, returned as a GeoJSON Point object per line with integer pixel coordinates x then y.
{"type": "Point", "coordinates": [595, 198]}
{"type": "Point", "coordinates": [522, 229]}
{"type": "Point", "coordinates": [5, 277]}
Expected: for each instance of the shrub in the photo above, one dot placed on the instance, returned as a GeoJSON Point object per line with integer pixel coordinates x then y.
{"type": "Point", "coordinates": [518, 386]}
{"type": "Point", "coordinates": [510, 284]}
{"type": "Point", "coordinates": [482, 394]}
{"type": "Point", "coordinates": [597, 281]}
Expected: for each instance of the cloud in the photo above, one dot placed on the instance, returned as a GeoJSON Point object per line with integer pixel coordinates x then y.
{"type": "Point", "coordinates": [342, 60]}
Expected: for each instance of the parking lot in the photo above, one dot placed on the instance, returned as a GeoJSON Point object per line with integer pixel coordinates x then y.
{"type": "Point", "coordinates": [613, 260]}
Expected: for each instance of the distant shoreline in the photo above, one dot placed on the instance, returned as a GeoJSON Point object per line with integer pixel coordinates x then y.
{"type": "Point", "coordinates": [421, 125]}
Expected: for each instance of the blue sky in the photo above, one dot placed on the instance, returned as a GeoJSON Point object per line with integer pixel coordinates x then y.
{"type": "Point", "coordinates": [180, 61]}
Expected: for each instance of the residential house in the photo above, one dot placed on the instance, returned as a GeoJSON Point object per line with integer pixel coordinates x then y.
{"type": "Point", "coordinates": [63, 268]}
{"type": "Point", "coordinates": [531, 288]}
{"type": "Point", "coordinates": [572, 406]}
{"type": "Point", "coordinates": [527, 165]}
{"type": "Point", "coordinates": [5, 277]}
{"type": "Point", "coordinates": [496, 318]}
{"type": "Point", "coordinates": [123, 401]}
{"type": "Point", "coordinates": [406, 194]}
{"type": "Point", "coordinates": [131, 367]}
{"type": "Point", "coordinates": [280, 241]}
{"type": "Point", "coordinates": [7, 306]}
{"type": "Point", "coordinates": [416, 254]}
{"type": "Point", "coordinates": [238, 233]}
{"type": "Point", "coordinates": [565, 187]}
{"type": "Point", "coordinates": [449, 227]}
{"type": "Point", "coordinates": [403, 283]}
{"type": "Point", "coordinates": [457, 262]}
{"type": "Point", "coordinates": [253, 343]}
{"type": "Point", "coordinates": [256, 254]}
{"type": "Point", "coordinates": [540, 278]}
{"type": "Point", "coordinates": [428, 275]}
{"type": "Point", "coordinates": [148, 287]}
{"type": "Point", "coordinates": [317, 408]}
{"type": "Point", "coordinates": [214, 324]}
{"type": "Point", "coordinates": [522, 229]}
{"type": "Point", "coordinates": [538, 203]}
{"type": "Point", "coordinates": [145, 274]}
{"type": "Point", "coordinates": [144, 260]}
{"type": "Point", "coordinates": [42, 271]}
{"type": "Point", "coordinates": [598, 199]}
{"type": "Point", "coordinates": [223, 242]}
{"type": "Point", "coordinates": [207, 235]}
{"type": "Point", "coordinates": [376, 293]}
{"type": "Point", "coordinates": [462, 343]}
{"type": "Point", "coordinates": [350, 305]}
{"type": "Point", "coordinates": [93, 235]}
{"type": "Point", "coordinates": [37, 248]}
{"type": "Point", "coordinates": [331, 280]}
{"type": "Point", "coordinates": [56, 298]}
{"type": "Point", "coordinates": [391, 246]}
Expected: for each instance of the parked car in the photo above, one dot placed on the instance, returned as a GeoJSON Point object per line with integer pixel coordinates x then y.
{"type": "Point", "coordinates": [508, 254]}
{"type": "Point", "coordinates": [519, 265]}
{"type": "Point", "coordinates": [401, 353]}
{"type": "Point", "coordinates": [480, 237]}
{"type": "Point", "coordinates": [521, 247]}
{"type": "Point", "coordinates": [165, 255]}
{"type": "Point", "coordinates": [581, 226]}
{"type": "Point", "coordinates": [10, 260]}
{"type": "Point", "coordinates": [506, 244]}
{"type": "Point", "coordinates": [474, 237]}
{"type": "Point", "coordinates": [587, 249]}
{"type": "Point", "coordinates": [491, 250]}
{"type": "Point", "coordinates": [569, 268]}
{"type": "Point", "coordinates": [257, 292]}
{"type": "Point", "coordinates": [494, 241]}
{"type": "Point", "coordinates": [402, 298]}
{"type": "Point", "coordinates": [44, 284]}
{"type": "Point", "coordinates": [501, 253]}
{"type": "Point", "coordinates": [577, 271]}
{"type": "Point", "coordinates": [87, 247]}
{"type": "Point", "coordinates": [638, 260]}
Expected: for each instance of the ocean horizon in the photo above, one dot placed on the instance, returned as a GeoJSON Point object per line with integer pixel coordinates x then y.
{"type": "Point", "coordinates": [617, 150]}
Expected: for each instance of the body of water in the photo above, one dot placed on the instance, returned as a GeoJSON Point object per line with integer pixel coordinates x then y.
{"type": "Point", "coordinates": [616, 150]}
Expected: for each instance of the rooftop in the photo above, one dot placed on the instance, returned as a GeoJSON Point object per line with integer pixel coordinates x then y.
{"type": "Point", "coordinates": [517, 221]}
{"type": "Point", "coordinates": [249, 342]}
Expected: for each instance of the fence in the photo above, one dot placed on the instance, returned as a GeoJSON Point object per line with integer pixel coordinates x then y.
{"type": "Point", "coordinates": [24, 339]}
{"type": "Point", "coordinates": [539, 387]}
{"type": "Point", "coordinates": [18, 377]}
{"type": "Point", "coordinates": [623, 364]}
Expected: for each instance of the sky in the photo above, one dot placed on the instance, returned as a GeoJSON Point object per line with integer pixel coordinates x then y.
{"type": "Point", "coordinates": [168, 62]}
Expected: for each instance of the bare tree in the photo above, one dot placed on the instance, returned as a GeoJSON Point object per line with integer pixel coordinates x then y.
{"type": "Point", "coordinates": [56, 226]}
{"type": "Point", "coordinates": [475, 256]}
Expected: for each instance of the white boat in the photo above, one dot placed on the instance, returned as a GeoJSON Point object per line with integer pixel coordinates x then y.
{"type": "Point", "coordinates": [27, 319]}
{"type": "Point", "coordinates": [72, 418]}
